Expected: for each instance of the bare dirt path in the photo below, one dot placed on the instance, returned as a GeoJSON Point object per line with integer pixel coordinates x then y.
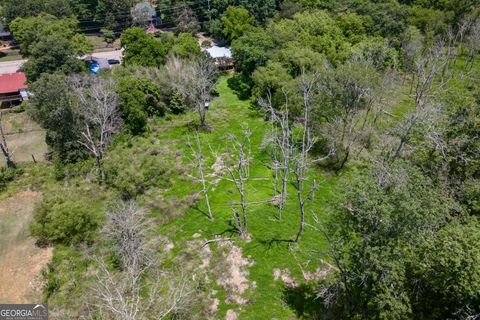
{"type": "Point", "coordinates": [21, 262]}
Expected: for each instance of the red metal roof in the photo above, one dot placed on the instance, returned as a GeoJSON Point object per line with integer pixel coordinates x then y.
{"type": "Point", "coordinates": [12, 82]}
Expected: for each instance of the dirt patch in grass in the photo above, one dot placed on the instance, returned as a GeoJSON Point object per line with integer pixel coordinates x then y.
{"type": "Point", "coordinates": [285, 276]}
{"type": "Point", "coordinates": [21, 261]}
{"type": "Point", "coordinates": [231, 315]}
{"type": "Point", "coordinates": [235, 278]}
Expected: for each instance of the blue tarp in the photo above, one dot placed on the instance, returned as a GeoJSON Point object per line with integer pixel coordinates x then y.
{"type": "Point", "coordinates": [94, 67]}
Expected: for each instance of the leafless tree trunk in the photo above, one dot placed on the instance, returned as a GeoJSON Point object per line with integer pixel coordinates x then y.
{"type": "Point", "coordinates": [197, 153]}
{"type": "Point", "coordinates": [282, 142]}
{"type": "Point", "coordinates": [99, 113]}
{"type": "Point", "coordinates": [275, 166]}
{"type": "Point", "coordinates": [194, 81]}
{"type": "Point", "coordinates": [3, 145]}
{"type": "Point", "coordinates": [300, 162]}
{"type": "Point", "coordinates": [238, 168]}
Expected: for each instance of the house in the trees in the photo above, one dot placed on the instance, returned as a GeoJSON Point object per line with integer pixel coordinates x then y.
{"type": "Point", "coordinates": [13, 89]}
{"type": "Point", "coordinates": [222, 56]}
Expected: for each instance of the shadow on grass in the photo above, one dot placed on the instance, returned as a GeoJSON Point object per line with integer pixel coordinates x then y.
{"type": "Point", "coordinates": [203, 212]}
{"type": "Point", "coordinates": [194, 126]}
{"type": "Point", "coordinates": [303, 301]}
{"type": "Point", "coordinates": [269, 243]}
{"type": "Point", "coordinates": [231, 231]}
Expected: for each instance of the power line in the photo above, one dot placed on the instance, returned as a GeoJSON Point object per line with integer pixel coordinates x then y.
{"type": "Point", "coordinates": [121, 14]}
{"type": "Point", "coordinates": [120, 25]}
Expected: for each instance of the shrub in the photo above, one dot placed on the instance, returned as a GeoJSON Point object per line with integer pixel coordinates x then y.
{"type": "Point", "coordinates": [7, 175]}
{"type": "Point", "coordinates": [132, 171]}
{"type": "Point", "coordinates": [140, 99]}
{"type": "Point", "coordinates": [177, 104]}
{"type": "Point", "coordinates": [60, 221]}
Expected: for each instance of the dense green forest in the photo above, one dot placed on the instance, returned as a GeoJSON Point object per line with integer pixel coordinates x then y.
{"type": "Point", "coordinates": [333, 174]}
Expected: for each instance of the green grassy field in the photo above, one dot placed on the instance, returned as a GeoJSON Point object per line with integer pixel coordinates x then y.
{"type": "Point", "coordinates": [271, 245]}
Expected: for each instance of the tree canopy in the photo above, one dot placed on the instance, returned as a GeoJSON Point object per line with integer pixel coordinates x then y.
{"type": "Point", "coordinates": [142, 49]}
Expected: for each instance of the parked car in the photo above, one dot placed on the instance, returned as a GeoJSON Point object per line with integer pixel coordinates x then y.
{"type": "Point", "coordinates": [113, 61]}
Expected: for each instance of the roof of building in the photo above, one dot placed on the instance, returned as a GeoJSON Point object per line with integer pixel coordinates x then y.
{"type": "Point", "coordinates": [219, 52]}
{"type": "Point", "coordinates": [12, 82]}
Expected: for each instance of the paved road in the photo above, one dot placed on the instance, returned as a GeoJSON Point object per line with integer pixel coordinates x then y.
{"type": "Point", "coordinates": [10, 66]}
{"type": "Point", "coordinates": [117, 54]}
{"type": "Point", "coordinates": [13, 66]}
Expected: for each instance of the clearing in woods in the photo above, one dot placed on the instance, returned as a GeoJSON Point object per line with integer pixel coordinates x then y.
{"type": "Point", "coordinates": [21, 261]}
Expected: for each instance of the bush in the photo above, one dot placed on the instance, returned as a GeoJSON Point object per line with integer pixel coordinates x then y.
{"type": "Point", "coordinates": [177, 104]}
{"type": "Point", "coordinates": [21, 107]}
{"type": "Point", "coordinates": [7, 175]}
{"type": "Point", "coordinates": [140, 99]}
{"type": "Point", "coordinates": [133, 171]}
{"type": "Point", "coordinates": [60, 221]}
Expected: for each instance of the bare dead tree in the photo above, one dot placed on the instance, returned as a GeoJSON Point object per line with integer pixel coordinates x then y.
{"type": "Point", "coordinates": [118, 296]}
{"type": "Point", "coordinates": [4, 146]}
{"type": "Point", "coordinates": [427, 67]}
{"type": "Point", "coordinates": [127, 227]}
{"type": "Point", "coordinates": [195, 81]}
{"type": "Point", "coordinates": [199, 161]}
{"type": "Point", "coordinates": [237, 164]}
{"type": "Point", "coordinates": [98, 112]}
{"type": "Point", "coordinates": [139, 290]}
{"type": "Point", "coordinates": [280, 141]}
{"type": "Point", "coordinates": [299, 161]}
{"type": "Point", "coordinates": [433, 71]}
{"type": "Point", "coordinates": [406, 128]}
{"type": "Point", "coordinates": [141, 16]}
{"type": "Point", "coordinates": [186, 20]}
{"type": "Point", "coordinates": [269, 142]}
